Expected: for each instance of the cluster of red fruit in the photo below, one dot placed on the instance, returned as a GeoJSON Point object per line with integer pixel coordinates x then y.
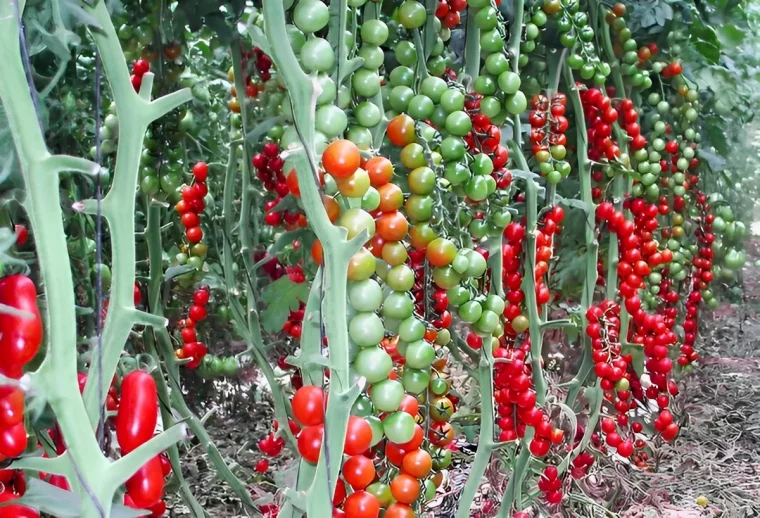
{"type": "Point", "coordinates": [486, 138]}
{"type": "Point", "coordinates": [511, 252]}
{"type": "Point", "coordinates": [268, 165]}
{"type": "Point", "coordinates": [191, 205]}
{"type": "Point", "coordinates": [550, 484]}
{"type": "Point", "coordinates": [261, 61]}
{"type": "Point", "coordinates": [439, 315]}
{"type": "Point", "coordinates": [272, 445]}
{"type": "Point", "coordinates": [139, 69]}
{"type": "Point", "coordinates": [19, 342]}
{"type": "Point", "coordinates": [13, 488]}
{"type": "Point", "coordinates": [448, 12]}
{"type": "Point", "coordinates": [191, 347]}
{"type": "Point", "coordinates": [548, 123]}
{"type": "Point", "coordinates": [516, 401]}
{"type": "Point", "coordinates": [600, 116]}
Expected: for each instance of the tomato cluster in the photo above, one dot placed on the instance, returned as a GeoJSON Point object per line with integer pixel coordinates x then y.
{"type": "Point", "coordinates": [448, 12]}
{"type": "Point", "coordinates": [192, 349]}
{"type": "Point", "coordinates": [19, 342]}
{"type": "Point", "coordinates": [139, 68]}
{"type": "Point", "coordinates": [548, 126]}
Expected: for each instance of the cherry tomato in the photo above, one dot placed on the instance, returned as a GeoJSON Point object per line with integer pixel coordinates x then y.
{"type": "Point", "coordinates": [308, 405]}
{"type": "Point", "coordinates": [405, 488]}
{"type": "Point", "coordinates": [341, 159]}
{"type": "Point", "coordinates": [361, 504]}
{"type": "Point", "coordinates": [146, 486]}
{"type": "Point", "coordinates": [359, 472]}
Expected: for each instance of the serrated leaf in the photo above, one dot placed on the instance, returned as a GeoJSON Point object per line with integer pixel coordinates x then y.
{"type": "Point", "coordinates": [574, 203]}
{"type": "Point", "coordinates": [282, 297]}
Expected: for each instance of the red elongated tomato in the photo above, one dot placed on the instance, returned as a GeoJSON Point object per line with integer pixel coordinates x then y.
{"type": "Point", "coordinates": [15, 511]}
{"type": "Point", "coordinates": [138, 410]}
{"type": "Point", "coordinates": [146, 486]}
{"type": "Point", "coordinates": [12, 409]}
{"type": "Point", "coordinates": [13, 440]}
{"type": "Point", "coordinates": [21, 335]}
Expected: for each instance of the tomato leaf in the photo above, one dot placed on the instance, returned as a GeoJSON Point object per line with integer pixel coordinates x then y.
{"type": "Point", "coordinates": [282, 297]}
{"type": "Point", "coordinates": [637, 352]}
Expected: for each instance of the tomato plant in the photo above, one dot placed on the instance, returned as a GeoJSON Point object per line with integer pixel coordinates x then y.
{"type": "Point", "coordinates": [360, 199]}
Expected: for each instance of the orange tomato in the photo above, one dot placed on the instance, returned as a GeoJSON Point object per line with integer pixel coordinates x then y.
{"type": "Point", "coordinates": [417, 463]}
{"type": "Point", "coordinates": [405, 488]}
{"type": "Point", "coordinates": [380, 170]}
{"type": "Point", "coordinates": [341, 159]}
{"type": "Point", "coordinates": [392, 226]}
{"type": "Point", "coordinates": [400, 130]}
{"type": "Point", "coordinates": [391, 197]}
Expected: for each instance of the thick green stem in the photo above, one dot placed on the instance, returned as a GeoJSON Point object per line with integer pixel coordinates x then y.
{"type": "Point", "coordinates": [317, 501]}
{"type": "Point", "coordinates": [592, 244]}
{"type": "Point", "coordinates": [485, 438]}
{"type": "Point", "coordinates": [472, 45]}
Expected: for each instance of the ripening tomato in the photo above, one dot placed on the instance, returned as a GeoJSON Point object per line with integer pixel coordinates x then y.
{"type": "Point", "coordinates": [400, 130]}
{"type": "Point", "coordinates": [380, 171]}
{"type": "Point", "coordinates": [392, 226]}
{"type": "Point", "coordinates": [399, 510]}
{"type": "Point", "coordinates": [417, 463]}
{"type": "Point", "coordinates": [138, 412]}
{"type": "Point", "coordinates": [405, 488]}
{"type": "Point", "coordinates": [308, 405]}
{"type": "Point", "coordinates": [341, 159]}
{"type": "Point", "coordinates": [146, 486]}
{"type": "Point", "coordinates": [391, 197]}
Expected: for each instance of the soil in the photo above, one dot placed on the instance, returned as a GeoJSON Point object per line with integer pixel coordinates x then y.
{"type": "Point", "coordinates": [717, 454]}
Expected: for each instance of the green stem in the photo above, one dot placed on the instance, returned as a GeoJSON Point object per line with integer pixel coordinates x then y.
{"type": "Point", "coordinates": [472, 45]}
{"type": "Point", "coordinates": [485, 438]}
{"type": "Point", "coordinates": [592, 244]}
{"type": "Point", "coordinates": [317, 501]}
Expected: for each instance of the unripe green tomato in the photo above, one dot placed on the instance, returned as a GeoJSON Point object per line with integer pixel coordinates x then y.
{"type": "Point", "coordinates": [317, 55]}
{"type": "Point", "coordinates": [374, 32]}
{"type": "Point", "coordinates": [488, 322]}
{"type": "Point", "coordinates": [373, 56]}
{"type": "Point", "coordinates": [420, 107]}
{"type": "Point", "coordinates": [402, 76]}
{"type": "Point", "coordinates": [311, 15]}
{"type": "Point", "coordinates": [496, 64]}
{"type": "Point", "coordinates": [490, 41]}
{"type": "Point", "coordinates": [517, 103]}
{"type": "Point", "coordinates": [405, 53]}
{"type": "Point", "coordinates": [470, 312]}
{"type": "Point", "coordinates": [509, 82]}
{"type": "Point", "coordinates": [452, 100]}
{"type": "Point", "coordinates": [411, 14]}
{"type": "Point", "coordinates": [365, 82]}
{"type": "Point", "coordinates": [415, 380]}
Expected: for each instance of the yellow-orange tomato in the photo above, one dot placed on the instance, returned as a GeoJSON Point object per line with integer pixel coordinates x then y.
{"type": "Point", "coordinates": [233, 105]}
{"type": "Point", "coordinates": [399, 510]}
{"type": "Point", "coordinates": [341, 159]}
{"type": "Point", "coordinates": [400, 130]}
{"type": "Point", "coordinates": [316, 252]}
{"type": "Point", "coordinates": [392, 226]}
{"type": "Point", "coordinates": [391, 197]}
{"type": "Point", "coordinates": [441, 434]}
{"type": "Point", "coordinates": [421, 234]}
{"type": "Point", "coordinates": [438, 479]}
{"type": "Point", "coordinates": [332, 207]}
{"type": "Point", "coordinates": [417, 463]}
{"type": "Point", "coordinates": [405, 488]}
{"type": "Point", "coordinates": [380, 170]}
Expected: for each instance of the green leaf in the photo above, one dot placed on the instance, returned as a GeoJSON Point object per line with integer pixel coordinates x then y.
{"type": "Point", "coordinates": [730, 35]}
{"type": "Point", "coordinates": [282, 297]}
{"type": "Point", "coordinates": [176, 271]}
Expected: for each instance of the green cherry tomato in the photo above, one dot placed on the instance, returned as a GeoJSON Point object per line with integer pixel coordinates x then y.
{"type": "Point", "coordinates": [311, 15]}
{"type": "Point", "coordinates": [317, 55]}
{"type": "Point", "coordinates": [420, 107]}
{"type": "Point", "coordinates": [399, 427]}
{"type": "Point", "coordinates": [365, 82]}
{"type": "Point", "coordinates": [374, 364]}
{"type": "Point", "coordinates": [458, 123]}
{"type": "Point", "coordinates": [366, 295]}
{"type": "Point", "coordinates": [374, 32]}
{"type": "Point", "coordinates": [387, 395]}
{"type": "Point", "coordinates": [411, 330]}
{"type": "Point", "coordinates": [452, 100]}
{"type": "Point", "coordinates": [362, 407]}
{"type": "Point", "coordinates": [406, 54]}
{"type": "Point", "coordinates": [433, 88]}
{"type": "Point", "coordinates": [470, 312]}
{"type": "Point", "coordinates": [419, 355]}
{"type": "Point", "coordinates": [400, 278]}
{"type": "Point", "coordinates": [366, 329]}
{"type": "Point", "coordinates": [404, 76]}
{"type": "Point", "coordinates": [412, 14]}
{"type": "Point", "coordinates": [517, 103]}
{"type": "Point", "coordinates": [415, 380]}
{"type": "Point", "coordinates": [397, 305]}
